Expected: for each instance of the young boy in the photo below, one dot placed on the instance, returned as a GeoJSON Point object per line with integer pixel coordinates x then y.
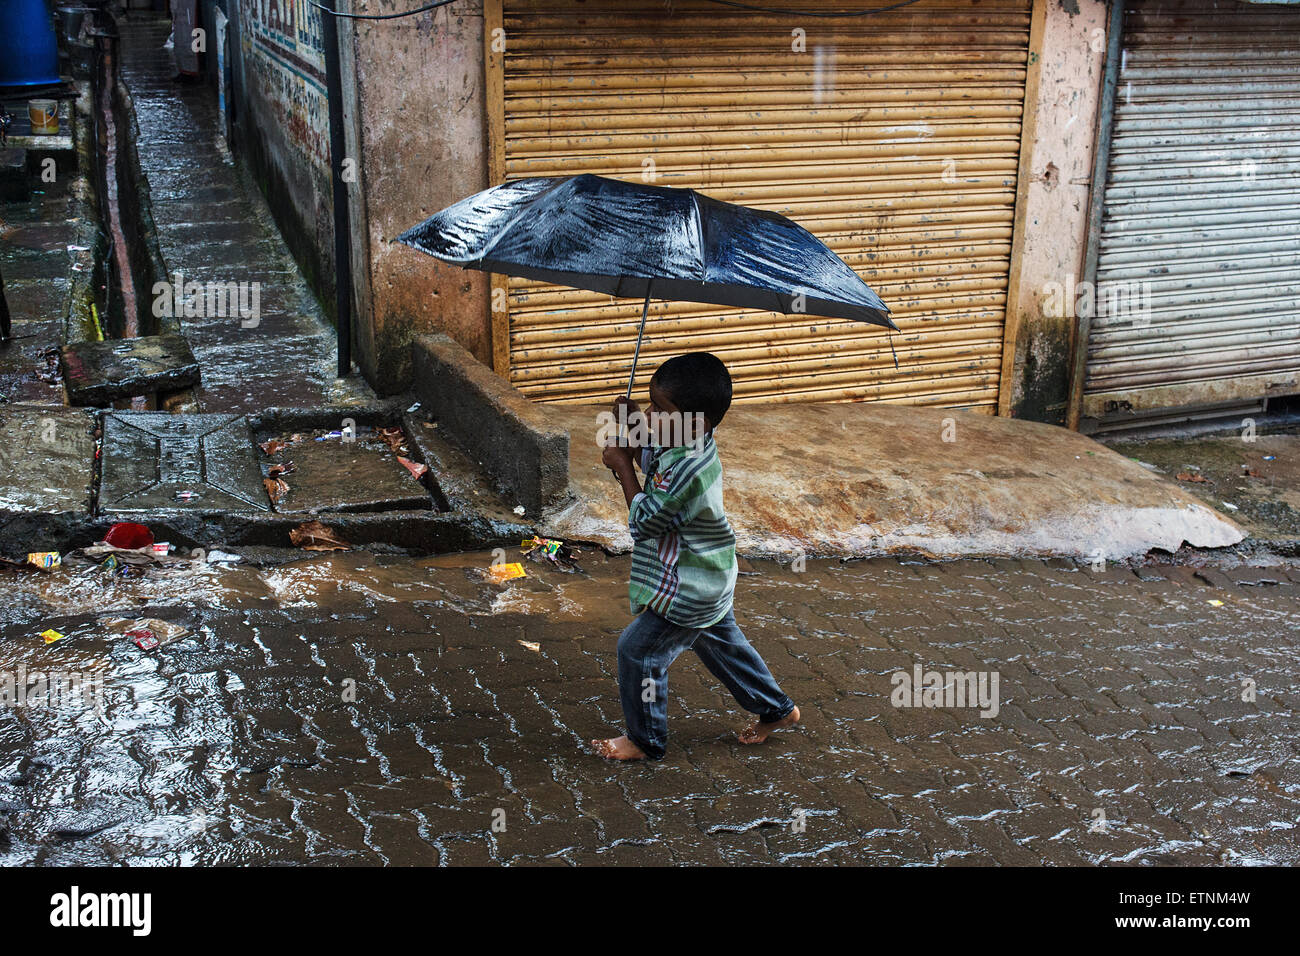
{"type": "Point", "coordinates": [683, 563]}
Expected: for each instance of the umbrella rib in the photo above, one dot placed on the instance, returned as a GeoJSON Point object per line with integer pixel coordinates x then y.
{"type": "Point", "coordinates": [699, 232]}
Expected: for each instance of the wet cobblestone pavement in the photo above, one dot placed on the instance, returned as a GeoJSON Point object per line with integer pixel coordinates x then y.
{"type": "Point", "coordinates": [1120, 694]}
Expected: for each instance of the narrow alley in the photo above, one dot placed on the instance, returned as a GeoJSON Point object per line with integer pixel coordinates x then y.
{"type": "Point", "coordinates": [214, 227]}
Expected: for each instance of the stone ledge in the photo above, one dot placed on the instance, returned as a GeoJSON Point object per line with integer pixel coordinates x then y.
{"type": "Point", "coordinates": [525, 453]}
{"type": "Point", "coordinates": [860, 480]}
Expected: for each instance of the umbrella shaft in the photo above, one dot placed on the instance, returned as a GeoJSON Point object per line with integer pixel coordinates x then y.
{"type": "Point", "coordinates": [640, 334]}
{"type": "Point", "coordinates": [645, 308]}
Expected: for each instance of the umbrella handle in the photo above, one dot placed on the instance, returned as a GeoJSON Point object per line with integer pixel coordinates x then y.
{"type": "Point", "coordinates": [645, 308]}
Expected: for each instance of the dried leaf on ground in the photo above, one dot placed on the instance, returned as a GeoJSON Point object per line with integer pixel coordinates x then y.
{"type": "Point", "coordinates": [1188, 476]}
{"type": "Point", "coordinates": [393, 437]}
{"type": "Point", "coordinates": [417, 470]}
{"type": "Point", "coordinates": [314, 536]}
{"type": "Point", "coordinates": [276, 488]}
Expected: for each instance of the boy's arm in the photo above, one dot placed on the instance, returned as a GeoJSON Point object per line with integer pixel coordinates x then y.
{"type": "Point", "coordinates": [659, 507]}
{"type": "Point", "coordinates": [619, 460]}
{"type": "Point", "coordinates": [627, 476]}
{"type": "Point", "coordinates": [633, 435]}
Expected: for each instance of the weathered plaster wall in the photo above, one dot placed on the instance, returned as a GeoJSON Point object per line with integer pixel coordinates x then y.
{"type": "Point", "coordinates": [284, 124]}
{"type": "Point", "coordinates": [421, 114]}
{"type": "Point", "coordinates": [1073, 51]}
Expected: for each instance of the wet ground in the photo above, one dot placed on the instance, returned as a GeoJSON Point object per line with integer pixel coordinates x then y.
{"type": "Point", "coordinates": [214, 227]}
{"type": "Point", "coordinates": [1255, 479]}
{"type": "Point", "coordinates": [355, 709]}
{"type": "Point", "coordinates": [35, 235]}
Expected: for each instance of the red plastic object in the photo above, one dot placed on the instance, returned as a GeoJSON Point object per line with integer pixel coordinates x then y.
{"type": "Point", "coordinates": [144, 639]}
{"type": "Point", "coordinates": [129, 535]}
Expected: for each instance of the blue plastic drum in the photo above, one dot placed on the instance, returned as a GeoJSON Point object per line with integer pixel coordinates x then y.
{"type": "Point", "coordinates": [29, 53]}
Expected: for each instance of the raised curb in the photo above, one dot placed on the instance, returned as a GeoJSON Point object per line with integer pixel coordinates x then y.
{"type": "Point", "coordinates": [524, 452]}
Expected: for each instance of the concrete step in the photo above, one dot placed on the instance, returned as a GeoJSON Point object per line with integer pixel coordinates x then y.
{"type": "Point", "coordinates": [100, 373]}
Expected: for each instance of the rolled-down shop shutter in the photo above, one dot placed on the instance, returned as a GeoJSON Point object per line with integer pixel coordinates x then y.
{"type": "Point", "coordinates": [894, 138]}
{"type": "Point", "coordinates": [1202, 204]}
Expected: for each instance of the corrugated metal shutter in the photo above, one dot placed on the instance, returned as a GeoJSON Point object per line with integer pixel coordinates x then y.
{"type": "Point", "coordinates": [1203, 204]}
{"type": "Point", "coordinates": [894, 138]}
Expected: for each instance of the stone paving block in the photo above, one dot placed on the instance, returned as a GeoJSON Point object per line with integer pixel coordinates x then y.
{"type": "Point", "coordinates": [1259, 577]}
{"type": "Point", "coordinates": [628, 854]}
{"type": "Point", "coordinates": [1214, 578]}
{"type": "Point", "coordinates": [153, 461]}
{"type": "Point", "coordinates": [47, 459]}
{"type": "Point", "coordinates": [100, 373]}
{"type": "Point", "coordinates": [1181, 574]}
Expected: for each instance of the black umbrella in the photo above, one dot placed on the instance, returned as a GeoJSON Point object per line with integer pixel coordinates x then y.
{"type": "Point", "coordinates": [631, 239]}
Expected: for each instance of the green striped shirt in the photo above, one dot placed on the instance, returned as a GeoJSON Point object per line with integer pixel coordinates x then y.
{"type": "Point", "coordinates": [684, 552]}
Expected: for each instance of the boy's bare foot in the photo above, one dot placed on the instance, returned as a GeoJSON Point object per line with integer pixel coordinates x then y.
{"type": "Point", "coordinates": [617, 748]}
{"type": "Point", "coordinates": [757, 732]}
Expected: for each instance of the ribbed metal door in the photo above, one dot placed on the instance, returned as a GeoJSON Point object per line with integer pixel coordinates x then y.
{"type": "Point", "coordinates": [894, 138]}
{"type": "Point", "coordinates": [1199, 265]}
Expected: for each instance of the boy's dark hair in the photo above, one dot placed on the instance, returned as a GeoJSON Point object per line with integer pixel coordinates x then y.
{"type": "Point", "coordinates": [697, 382]}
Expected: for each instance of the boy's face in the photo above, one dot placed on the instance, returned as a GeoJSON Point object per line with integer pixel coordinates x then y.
{"type": "Point", "coordinates": [669, 425]}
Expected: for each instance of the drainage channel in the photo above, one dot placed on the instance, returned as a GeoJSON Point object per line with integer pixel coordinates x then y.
{"type": "Point", "coordinates": [135, 360]}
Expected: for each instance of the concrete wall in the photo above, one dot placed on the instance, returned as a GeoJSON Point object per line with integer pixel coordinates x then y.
{"type": "Point", "coordinates": [283, 127]}
{"type": "Point", "coordinates": [1056, 212]}
{"type": "Point", "coordinates": [421, 120]}
{"type": "Point", "coordinates": [415, 111]}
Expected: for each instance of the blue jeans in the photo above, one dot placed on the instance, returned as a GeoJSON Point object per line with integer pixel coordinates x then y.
{"type": "Point", "coordinates": [650, 643]}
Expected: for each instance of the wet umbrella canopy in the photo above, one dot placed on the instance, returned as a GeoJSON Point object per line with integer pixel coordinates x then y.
{"type": "Point", "coordinates": [636, 240]}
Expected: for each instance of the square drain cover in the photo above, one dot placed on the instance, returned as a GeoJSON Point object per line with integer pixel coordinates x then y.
{"type": "Point", "coordinates": [158, 462]}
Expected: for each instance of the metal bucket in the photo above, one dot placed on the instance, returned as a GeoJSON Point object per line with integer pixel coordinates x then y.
{"type": "Point", "coordinates": [71, 18]}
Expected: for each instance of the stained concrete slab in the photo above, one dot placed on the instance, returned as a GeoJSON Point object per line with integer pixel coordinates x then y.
{"type": "Point", "coordinates": [865, 479]}
{"type": "Point", "coordinates": [153, 461]}
{"type": "Point", "coordinates": [336, 475]}
{"type": "Point", "coordinates": [517, 444]}
{"type": "Point", "coordinates": [100, 373]}
{"type": "Point", "coordinates": [47, 458]}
